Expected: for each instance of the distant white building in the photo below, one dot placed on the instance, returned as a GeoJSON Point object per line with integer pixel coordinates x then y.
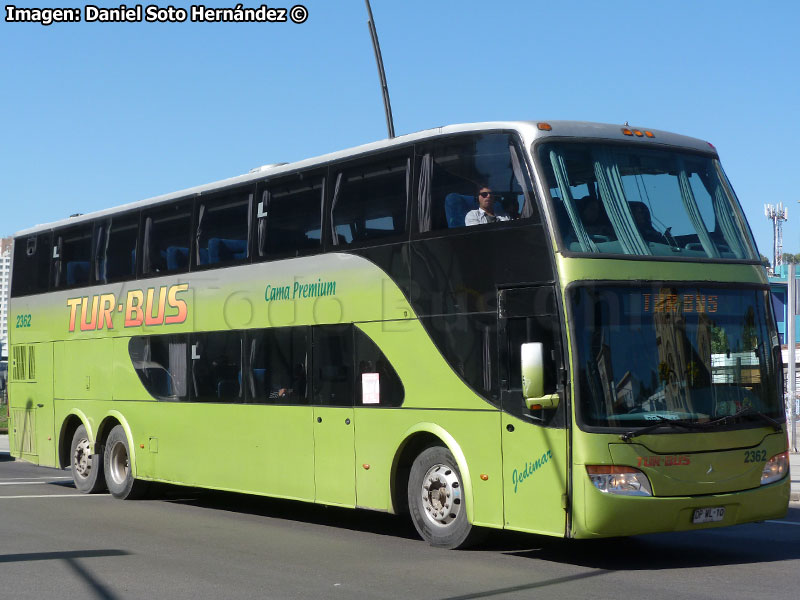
{"type": "Point", "coordinates": [5, 289]}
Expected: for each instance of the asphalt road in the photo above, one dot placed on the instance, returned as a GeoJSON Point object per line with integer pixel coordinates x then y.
{"type": "Point", "coordinates": [57, 543]}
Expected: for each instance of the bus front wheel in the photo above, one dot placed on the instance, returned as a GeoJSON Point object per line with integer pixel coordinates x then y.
{"type": "Point", "coordinates": [436, 500]}
{"type": "Point", "coordinates": [117, 467]}
{"type": "Point", "coordinates": [87, 468]}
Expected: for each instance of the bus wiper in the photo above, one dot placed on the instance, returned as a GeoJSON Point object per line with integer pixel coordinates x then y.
{"type": "Point", "coordinates": [662, 422]}
{"type": "Point", "coordinates": [746, 412]}
{"type": "Point", "coordinates": [719, 422]}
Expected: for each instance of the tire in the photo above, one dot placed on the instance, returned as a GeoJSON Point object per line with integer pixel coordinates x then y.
{"type": "Point", "coordinates": [117, 467]}
{"type": "Point", "coordinates": [436, 500]}
{"type": "Point", "coordinates": [86, 468]}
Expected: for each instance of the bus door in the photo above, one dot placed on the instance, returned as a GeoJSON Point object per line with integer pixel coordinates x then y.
{"type": "Point", "coordinates": [334, 423]}
{"type": "Point", "coordinates": [31, 403]}
{"type": "Point", "coordinates": [535, 443]}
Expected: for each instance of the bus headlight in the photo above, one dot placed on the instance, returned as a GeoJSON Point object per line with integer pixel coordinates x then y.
{"type": "Point", "coordinates": [626, 481]}
{"type": "Point", "coordinates": [776, 468]}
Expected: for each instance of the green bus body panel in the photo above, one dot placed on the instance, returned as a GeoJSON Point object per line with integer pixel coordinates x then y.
{"type": "Point", "coordinates": [259, 449]}
{"type": "Point", "coordinates": [31, 431]}
{"type": "Point", "coordinates": [334, 455]}
{"type": "Point", "coordinates": [601, 515]}
{"type": "Point", "coordinates": [598, 269]}
{"type": "Point", "coordinates": [472, 436]}
{"type": "Point", "coordinates": [536, 462]}
{"type": "Point", "coordinates": [221, 299]}
{"type": "Point", "coordinates": [126, 383]}
{"type": "Point", "coordinates": [679, 474]}
{"type": "Point", "coordinates": [711, 472]}
{"type": "Point", "coordinates": [83, 369]}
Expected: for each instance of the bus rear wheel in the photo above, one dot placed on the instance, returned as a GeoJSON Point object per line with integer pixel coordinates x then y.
{"type": "Point", "coordinates": [117, 467]}
{"type": "Point", "coordinates": [436, 500]}
{"type": "Point", "coordinates": [87, 468]}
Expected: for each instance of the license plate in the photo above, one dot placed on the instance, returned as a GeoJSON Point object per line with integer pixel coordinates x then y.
{"type": "Point", "coordinates": [709, 515]}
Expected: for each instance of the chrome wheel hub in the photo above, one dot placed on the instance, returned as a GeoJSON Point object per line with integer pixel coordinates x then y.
{"type": "Point", "coordinates": [441, 495]}
{"type": "Point", "coordinates": [82, 459]}
{"type": "Point", "coordinates": [118, 463]}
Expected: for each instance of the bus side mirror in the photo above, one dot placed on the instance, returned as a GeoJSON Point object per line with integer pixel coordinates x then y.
{"type": "Point", "coordinates": [532, 365]}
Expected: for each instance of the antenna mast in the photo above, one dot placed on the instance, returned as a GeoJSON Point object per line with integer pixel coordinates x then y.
{"type": "Point", "coordinates": [381, 73]}
{"type": "Point", "coordinates": [776, 214]}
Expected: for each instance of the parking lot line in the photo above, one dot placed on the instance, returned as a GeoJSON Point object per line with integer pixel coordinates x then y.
{"type": "Point", "coordinates": [29, 478]}
{"type": "Point", "coordinates": [23, 482]}
{"type": "Point", "coordinates": [55, 496]}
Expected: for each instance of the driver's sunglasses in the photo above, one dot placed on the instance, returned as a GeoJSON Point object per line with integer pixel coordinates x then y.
{"type": "Point", "coordinates": [485, 194]}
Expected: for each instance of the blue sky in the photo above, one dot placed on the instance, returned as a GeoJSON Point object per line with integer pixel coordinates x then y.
{"type": "Point", "coordinates": [97, 114]}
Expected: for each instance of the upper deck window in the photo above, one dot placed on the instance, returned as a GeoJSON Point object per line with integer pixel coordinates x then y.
{"type": "Point", "coordinates": [222, 226]}
{"type": "Point", "coordinates": [115, 244]}
{"type": "Point", "coordinates": [454, 172]}
{"type": "Point", "coordinates": [289, 217]}
{"type": "Point", "coordinates": [72, 256]}
{"type": "Point", "coordinates": [31, 264]}
{"type": "Point", "coordinates": [631, 200]}
{"type": "Point", "coordinates": [167, 239]}
{"type": "Point", "coordinates": [369, 203]}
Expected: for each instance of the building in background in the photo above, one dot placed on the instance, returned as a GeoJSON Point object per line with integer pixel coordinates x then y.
{"type": "Point", "coordinates": [779, 288]}
{"type": "Point", "coordinates": [5, 288]}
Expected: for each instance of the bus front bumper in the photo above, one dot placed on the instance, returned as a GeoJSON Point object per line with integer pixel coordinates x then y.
{"type": "Point", "coordinates": [609, 515]}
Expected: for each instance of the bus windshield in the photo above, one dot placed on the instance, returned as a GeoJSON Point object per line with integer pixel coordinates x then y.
{"type": "Point", "coordinates": [623, 199]}
{"type": "Point", "coordinates": [680, 353]}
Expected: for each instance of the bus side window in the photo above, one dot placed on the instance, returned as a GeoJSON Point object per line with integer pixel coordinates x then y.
{"type": "Point", "coordinates": [529, 314]}
{"type": "Point", "coordinates": [369, 202]}
{"type": "Point", "coordinates": [289, 217]}
{"type": "Point", "coordinates": [377, 383]}
{"type": "Point", "coordinates": [166, 239]}
{"type": "Point", "coordinates": [160, 362]}
{"type": "Point", "coordinates": [72, 256]}
{"type": "Point", "coordinates": [222, 225]}
{"type": "Point", "coordinates": [216, 363]}
{"type": "Point", "coordinates": [115, 248]}
{"type": "Point", "coordinates": [31, 272]}
{"type": "Point", "coordinates": [452, 172]}
{"type": "Point", "coordinates": [332, 362]}
{"type": "Point", "coordinates": [277, 366]}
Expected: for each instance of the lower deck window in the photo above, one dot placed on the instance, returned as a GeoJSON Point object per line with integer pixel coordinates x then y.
{"type": "Point", "coordinates": [160, 362]}
{"type": "Point", "coordinates": [336, 365]}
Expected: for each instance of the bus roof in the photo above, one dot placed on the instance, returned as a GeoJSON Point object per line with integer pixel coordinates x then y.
{"type": "Point", "coordinates": [529, 131]}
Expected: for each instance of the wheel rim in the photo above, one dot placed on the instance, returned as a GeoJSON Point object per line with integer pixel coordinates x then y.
{"type": "Point", "coordinates": [118, 466]}
{"type": "Point", "coordinates": [82, 459]}
{"type": "Point", "coordinates": [441, 495]}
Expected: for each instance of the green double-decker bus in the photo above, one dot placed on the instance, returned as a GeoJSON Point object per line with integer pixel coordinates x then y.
{"type": "Point", "coordinates": [560, 328]}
